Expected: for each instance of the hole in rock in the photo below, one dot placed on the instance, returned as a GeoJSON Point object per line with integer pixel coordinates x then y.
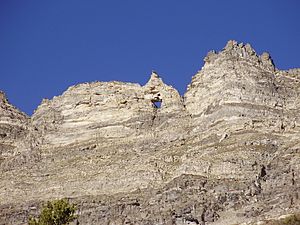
{"type": "Point", "coordinates": [157, 104]}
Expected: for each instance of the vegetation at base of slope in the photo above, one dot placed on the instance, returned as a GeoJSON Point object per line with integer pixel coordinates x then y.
{"type": "Point", "coordinates": [289, 220]}
{"type": "Point", "coordinates": [56, 212]}
{"type": "Point", "coordinates": [286, 220]}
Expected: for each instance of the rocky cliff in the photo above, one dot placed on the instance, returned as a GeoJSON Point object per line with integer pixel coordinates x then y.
{"type": "Point", "coordinates": [227, 152]}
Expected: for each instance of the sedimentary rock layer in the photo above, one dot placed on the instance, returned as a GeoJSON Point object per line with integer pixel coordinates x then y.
{"type": "Point", "coordinates": [226, 152]}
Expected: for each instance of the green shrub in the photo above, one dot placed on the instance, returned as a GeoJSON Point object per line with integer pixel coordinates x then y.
{"type": "Point", "coordinates": [289, 220]}
{"type": "Point", "coordinates": [57, 212]}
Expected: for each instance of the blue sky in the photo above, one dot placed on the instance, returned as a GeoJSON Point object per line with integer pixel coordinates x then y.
{"type": "Point", "coordinates": [47, 46]}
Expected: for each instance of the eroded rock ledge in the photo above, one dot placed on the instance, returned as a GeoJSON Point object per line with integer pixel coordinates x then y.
{"type": "Point", "coordinates": [226, 152]}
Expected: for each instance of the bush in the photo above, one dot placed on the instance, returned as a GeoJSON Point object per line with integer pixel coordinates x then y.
{"type": "Point", "coordinates": [57, 212]}
{"type": "Point", "coordinates": [289, 220]}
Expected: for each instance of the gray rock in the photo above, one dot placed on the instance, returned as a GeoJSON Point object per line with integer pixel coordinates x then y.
{"type": "Point", "coordinates": [225, 153]}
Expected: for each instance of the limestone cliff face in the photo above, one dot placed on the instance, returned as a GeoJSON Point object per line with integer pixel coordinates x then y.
{"type": "Point", "coordinates": [12, 125]}
{"type": "Point", "coordinates": [236, 96]}
{"type": "Point", "coordinates": [14, 129]}
{"type": "Point", "coordinates": [227, 152]}
{"type": "Point", "coordinates": [106, 110]}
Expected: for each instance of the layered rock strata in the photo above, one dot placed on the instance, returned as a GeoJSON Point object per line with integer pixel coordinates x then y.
{"type": "Point", "coordinates": [226, 152]}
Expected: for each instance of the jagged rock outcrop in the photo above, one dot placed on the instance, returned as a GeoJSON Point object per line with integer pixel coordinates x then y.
{"type": "Point", "coordinates": [226, 152]}
{"type": "Point", "coordinates": [14, 128]}
{"type": "Point", "coordinates": [12, 125]}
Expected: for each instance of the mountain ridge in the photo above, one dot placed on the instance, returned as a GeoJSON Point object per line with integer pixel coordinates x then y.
{"type": "Point", "coordinates": [229, 146]}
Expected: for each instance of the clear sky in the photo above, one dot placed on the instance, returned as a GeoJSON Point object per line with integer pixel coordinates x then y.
{"type": "Point", "coordinates": [47, 46]}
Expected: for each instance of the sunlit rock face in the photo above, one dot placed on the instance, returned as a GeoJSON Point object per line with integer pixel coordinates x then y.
{"type": "Point", "coordinates": [105, 109]}
{"type": "Point", "coordinates": [14, 129]}
{"type": "Point", "coordinates": [12, 123]}
{"type": "Point", "coordinates": [226, 152]}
